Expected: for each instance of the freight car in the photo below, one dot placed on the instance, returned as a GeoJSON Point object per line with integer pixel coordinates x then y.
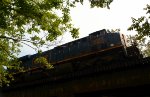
{"type": "Point", "coordinates": [99, 48]}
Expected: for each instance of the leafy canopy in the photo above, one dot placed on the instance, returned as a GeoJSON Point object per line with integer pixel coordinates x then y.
{"type": "Point", "coordinates": [142, 27]}
{"type": "Point", "coordinates": [143, 44]}
{"type": "Point", "coordinates": [34, 22]}
{"type": "Point", "coordinates": [142, 24]}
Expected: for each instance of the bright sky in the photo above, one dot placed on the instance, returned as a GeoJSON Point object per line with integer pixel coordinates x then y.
{"type": "Point", "coordinates": [90, 20]}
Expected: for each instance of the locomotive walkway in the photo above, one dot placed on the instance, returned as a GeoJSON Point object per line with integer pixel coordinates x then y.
{"type": "Point", "coordinates": [121, 79]}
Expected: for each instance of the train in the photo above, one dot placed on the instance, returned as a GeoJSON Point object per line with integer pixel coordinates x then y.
{"type": "Point", "coordinates": [98, 48]}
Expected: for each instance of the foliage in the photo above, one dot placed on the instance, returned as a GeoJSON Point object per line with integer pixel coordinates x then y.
{"type": "Point", "coordinates": [43, 61]}
{"type": "Point", "coordinates": [142, 25]}
{"type": "Point", "coordinates": [115, 30]}
{"type": "Point", "coordinates": [143, 44]}
{"type": "Point", "coordinates": [34, 22]}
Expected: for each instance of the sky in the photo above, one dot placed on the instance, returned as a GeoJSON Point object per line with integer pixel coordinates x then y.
{"type": "Point", "coordinates": [93, 19]}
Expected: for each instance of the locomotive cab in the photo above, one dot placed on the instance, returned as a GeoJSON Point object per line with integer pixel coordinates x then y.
{"type": "Point", "coordinates": [103, 39]}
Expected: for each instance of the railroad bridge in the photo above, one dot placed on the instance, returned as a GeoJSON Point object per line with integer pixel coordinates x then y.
{"type": "Point", "coordinates": [121, 79]}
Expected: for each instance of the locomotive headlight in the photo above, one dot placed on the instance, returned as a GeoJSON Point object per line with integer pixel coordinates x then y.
{"type": "Point", "coordinates": [111, 44]}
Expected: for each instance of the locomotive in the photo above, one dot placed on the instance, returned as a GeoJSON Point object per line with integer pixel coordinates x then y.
{"type": "Point", "coordinates": [98, 48]}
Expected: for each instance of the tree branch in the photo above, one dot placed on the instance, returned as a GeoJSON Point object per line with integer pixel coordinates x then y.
{"type": "Point", "coordinates": [5, 37]}
{"type": "Point", "coordinates": [29, 45]}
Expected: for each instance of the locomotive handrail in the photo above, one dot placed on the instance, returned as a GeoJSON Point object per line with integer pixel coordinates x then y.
{"type": "Point", "coordinates": [87, 54]}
